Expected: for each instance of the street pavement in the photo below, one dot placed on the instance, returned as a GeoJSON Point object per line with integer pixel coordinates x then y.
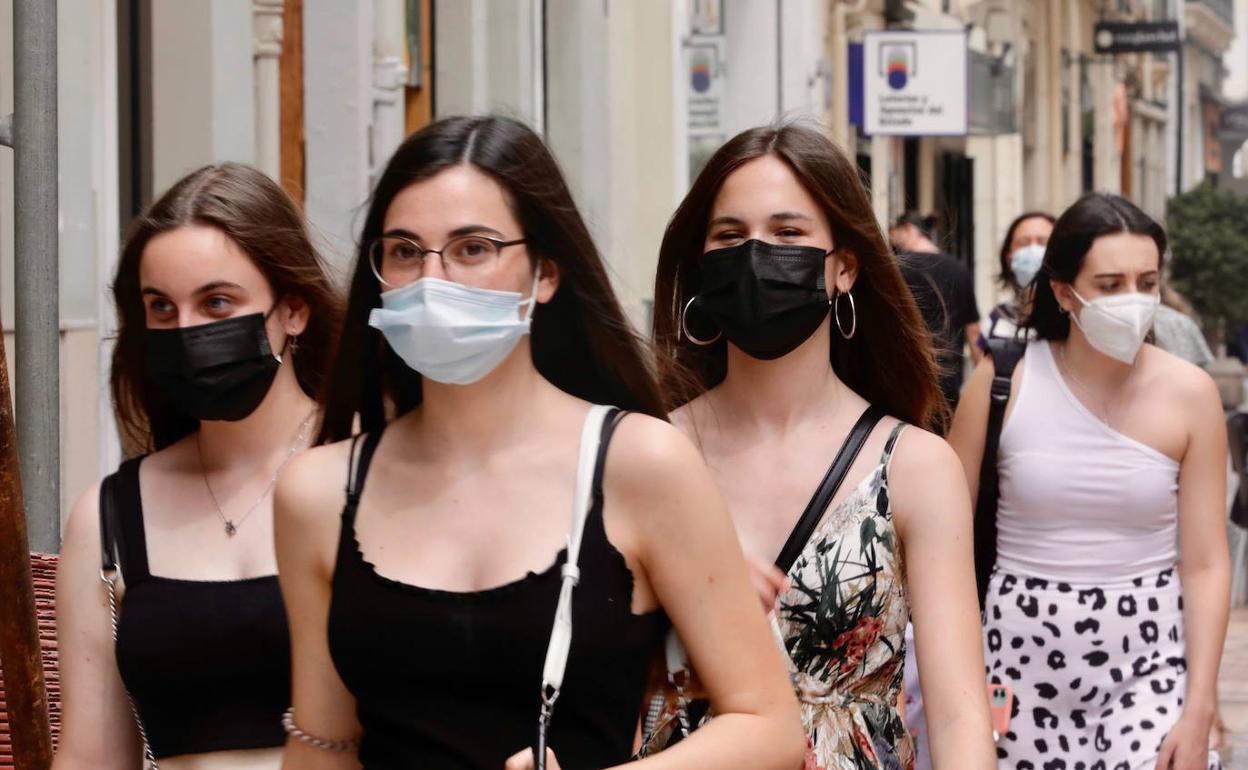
{"type": "Point", "coordinates": [1233, 690]}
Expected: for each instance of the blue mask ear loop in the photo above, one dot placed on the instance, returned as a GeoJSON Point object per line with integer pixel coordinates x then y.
{"type": "Point", "coordinates": [532, 300]}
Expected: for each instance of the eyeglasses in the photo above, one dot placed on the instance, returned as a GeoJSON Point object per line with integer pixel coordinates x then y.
{"type": "Point", "coordinates": [397, 260]}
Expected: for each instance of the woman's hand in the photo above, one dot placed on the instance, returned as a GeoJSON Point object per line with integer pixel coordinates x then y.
{"type": "Point", "coordinates": [767, 580]}
{"type": "Point", "coordinates": [523, 760]}
{"type": "Point", "coordinates": [1186, 746]}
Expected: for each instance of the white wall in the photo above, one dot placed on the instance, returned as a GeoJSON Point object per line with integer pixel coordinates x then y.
{"type": "Point", "coordinates": [203, 107]}
{"type": "Point", "coordinates": [646, 131]}
{"type": "Point", "coordinates": [337, 103]}
{"type": "Point", "coordinates": [750, 69]}
{"type": "Point", "coordinates": [487, 58]}
{"type": "Point", "coordinates": [1235, 87]}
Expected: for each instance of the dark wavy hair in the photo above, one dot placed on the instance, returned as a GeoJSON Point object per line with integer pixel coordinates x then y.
{"type": "Point", "coordinates": [1006, 278]}
{"type": "Point", "coordinates": [1093, 216]}
{"type": "Point", "coordinates": [889, 361]}
{"type": "Point", "coordinates": [581, 340]}
{"type": "Point", "coordinates": [256, 214]}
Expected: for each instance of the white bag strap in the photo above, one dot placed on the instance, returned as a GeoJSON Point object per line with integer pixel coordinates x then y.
{"type": "Point", "coordinates": [561, 634]}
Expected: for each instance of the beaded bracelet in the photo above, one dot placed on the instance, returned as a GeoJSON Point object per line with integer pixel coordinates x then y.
{"type": "Point", "coordinates": [292, 729]}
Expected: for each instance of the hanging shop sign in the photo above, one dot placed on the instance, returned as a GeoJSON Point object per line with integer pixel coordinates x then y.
{"type": "Point", "coordinates": [1111, 37]}
{"type": "Point", "coordinates": [915, 82]}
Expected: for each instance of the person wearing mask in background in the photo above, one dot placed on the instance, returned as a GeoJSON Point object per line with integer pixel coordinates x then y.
{"type": "Point", "coordinates": [1176, 331]}
{"type": "Point", "coordinates": [945, 293]}
{"type": "Point", "coordinates": [1022, 252]}
{"type": "Point", "coordinates": [226, 318]}
{"type": "Point", "coordinates": [480, 329]}
{"type": "Point", "coordinates": [1112, 452]}
{"type": "Point", "coordinates": [786, 329]}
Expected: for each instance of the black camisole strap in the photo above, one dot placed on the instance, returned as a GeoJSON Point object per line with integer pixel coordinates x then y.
{"type": "Point", "coordinates": [121, 520]}
{"type": "Point", "coordinates": [357, 466]}
{"type": "Point", "coordinates": [608, 429]}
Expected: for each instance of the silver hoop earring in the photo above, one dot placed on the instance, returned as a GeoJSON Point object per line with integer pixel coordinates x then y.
{"type": "Point", "coordinates": [684, 327]}
{"type": "Point", "coordinates": [853, 312]}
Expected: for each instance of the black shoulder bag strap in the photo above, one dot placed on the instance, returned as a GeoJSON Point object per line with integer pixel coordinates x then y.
{"type": "Point", "coordinates": [108, 574]}
{"type": "Point", "coordinates": [108, 525]}
{"type": "Point", "coordinates": [827, 488]}
{"type": "Point", "coordinates": [1006, 353]}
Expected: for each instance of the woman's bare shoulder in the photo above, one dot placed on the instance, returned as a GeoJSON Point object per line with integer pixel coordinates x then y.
{"type": "Point", "coordinates": [314, 482]}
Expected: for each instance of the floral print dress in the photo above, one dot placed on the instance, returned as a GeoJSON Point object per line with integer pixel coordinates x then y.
{"type": "Point", "coordinates": [843, 624]}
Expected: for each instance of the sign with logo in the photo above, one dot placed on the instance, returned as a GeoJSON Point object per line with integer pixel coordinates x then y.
{"type": "Point", "coordinates": [1136, 37]}
{"type": "Point", "coordinates": [915, 82]}
{"type": "Point", "coordinates": [705, 87]}
{"type": "Point", "coordinates": [1235, 121]}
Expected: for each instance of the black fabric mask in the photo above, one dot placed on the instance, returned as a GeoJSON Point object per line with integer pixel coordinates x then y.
{"type": "Point", "coordinates": [766, 298]}
{"type": "Point", "coordinates": [216, 371]}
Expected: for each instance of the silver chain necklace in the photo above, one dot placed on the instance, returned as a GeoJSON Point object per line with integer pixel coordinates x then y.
{"type": "Point", "coordinates": [1104, 404]}
{"type": "Point", "coordinates": [231, 526]}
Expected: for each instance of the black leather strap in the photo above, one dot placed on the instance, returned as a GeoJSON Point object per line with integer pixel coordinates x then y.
{"type": "Point", "coordinates": [108, 523]}
{"type": "Point", "coordinates": [1005, 353]}
{"type": "Point", "coordinates": [827, 488]}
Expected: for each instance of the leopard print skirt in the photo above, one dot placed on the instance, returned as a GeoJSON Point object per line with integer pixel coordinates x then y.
{"type": "Point", "coordinates": [1099, 672]}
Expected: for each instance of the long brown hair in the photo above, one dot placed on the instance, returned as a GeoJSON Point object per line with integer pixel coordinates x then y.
{"type": "Point", "coordinates": [258, 216]}
{"type": "Point", "coordinates": [581, 340]}
{"type": "Point", "coordinates": [889, 360]}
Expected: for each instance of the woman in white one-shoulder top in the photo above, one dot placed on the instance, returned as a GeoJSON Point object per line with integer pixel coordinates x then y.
{"type": "Point", "coordinates": [1109, 636]}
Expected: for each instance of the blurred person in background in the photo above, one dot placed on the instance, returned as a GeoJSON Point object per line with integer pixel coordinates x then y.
{"type": "Point", "coordinates": [1175, 330]}
{"type": "Point", "coordinates": [1022, 252]}
{"type": "Point", "coordinates": [945, 293]}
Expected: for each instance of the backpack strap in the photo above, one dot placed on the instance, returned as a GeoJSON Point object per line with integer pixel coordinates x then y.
{"type": "Point", "coordinates": [1005, 353]}
{"type": "Point", "coordinates": [827, 488]}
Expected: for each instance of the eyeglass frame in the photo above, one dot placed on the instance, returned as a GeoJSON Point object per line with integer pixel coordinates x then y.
{"type": "Point", "coordinates": [498, 244]}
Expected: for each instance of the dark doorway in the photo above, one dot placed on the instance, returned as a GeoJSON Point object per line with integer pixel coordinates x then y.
{"type": "Point", "coordinates": [957, 206]}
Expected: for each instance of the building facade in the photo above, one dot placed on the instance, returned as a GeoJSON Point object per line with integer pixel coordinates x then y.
{"type": "Point", "coordinates": [632, 96]}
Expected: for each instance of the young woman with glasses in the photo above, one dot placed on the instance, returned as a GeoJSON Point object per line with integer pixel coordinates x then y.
{"type": "Point", "coordinates": [421, 561]}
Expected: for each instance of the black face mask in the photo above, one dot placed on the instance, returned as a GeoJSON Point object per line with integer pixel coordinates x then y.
{"type": "Point", "coordinates": [766, 298]}
{"type": "Point", "coordinates": [216, 371]}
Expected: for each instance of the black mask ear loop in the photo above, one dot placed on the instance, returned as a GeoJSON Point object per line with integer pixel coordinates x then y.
{"type": "Point", "coordinates": [286, 343]}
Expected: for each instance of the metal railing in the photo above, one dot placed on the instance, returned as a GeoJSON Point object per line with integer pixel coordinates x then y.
{"type": "Point", "coordinates": [30, 509]}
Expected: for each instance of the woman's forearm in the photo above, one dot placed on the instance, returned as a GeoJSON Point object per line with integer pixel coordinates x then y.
{"type": "Point", "coordinates": [959, 743]}
{"type": "Point", "coordinates": [1206, 596]}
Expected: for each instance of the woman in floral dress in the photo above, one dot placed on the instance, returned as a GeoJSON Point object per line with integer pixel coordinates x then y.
{"type": "Point", "coordinates": [782, 316]}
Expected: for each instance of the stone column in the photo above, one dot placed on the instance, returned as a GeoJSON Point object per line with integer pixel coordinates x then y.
{"type": "Point", "coordinates": [267, 52]}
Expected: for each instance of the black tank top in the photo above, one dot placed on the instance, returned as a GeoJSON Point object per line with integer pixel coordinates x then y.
{"type": "Point", "coordinates": [452, 680]}
{"type": "Point", "coordinates": [206, 662]}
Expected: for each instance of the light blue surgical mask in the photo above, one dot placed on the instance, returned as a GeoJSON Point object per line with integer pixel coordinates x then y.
{"type": "Point", "coordinates": [451, 333]}
{"type": "Point", "coordinates": [1025, 263]}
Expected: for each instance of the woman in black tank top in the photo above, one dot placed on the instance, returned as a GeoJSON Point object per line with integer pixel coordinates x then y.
{"type": "Point", "coordinates": [216, 287]}
{"type": "Point", "coordinates": [421, 561]}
